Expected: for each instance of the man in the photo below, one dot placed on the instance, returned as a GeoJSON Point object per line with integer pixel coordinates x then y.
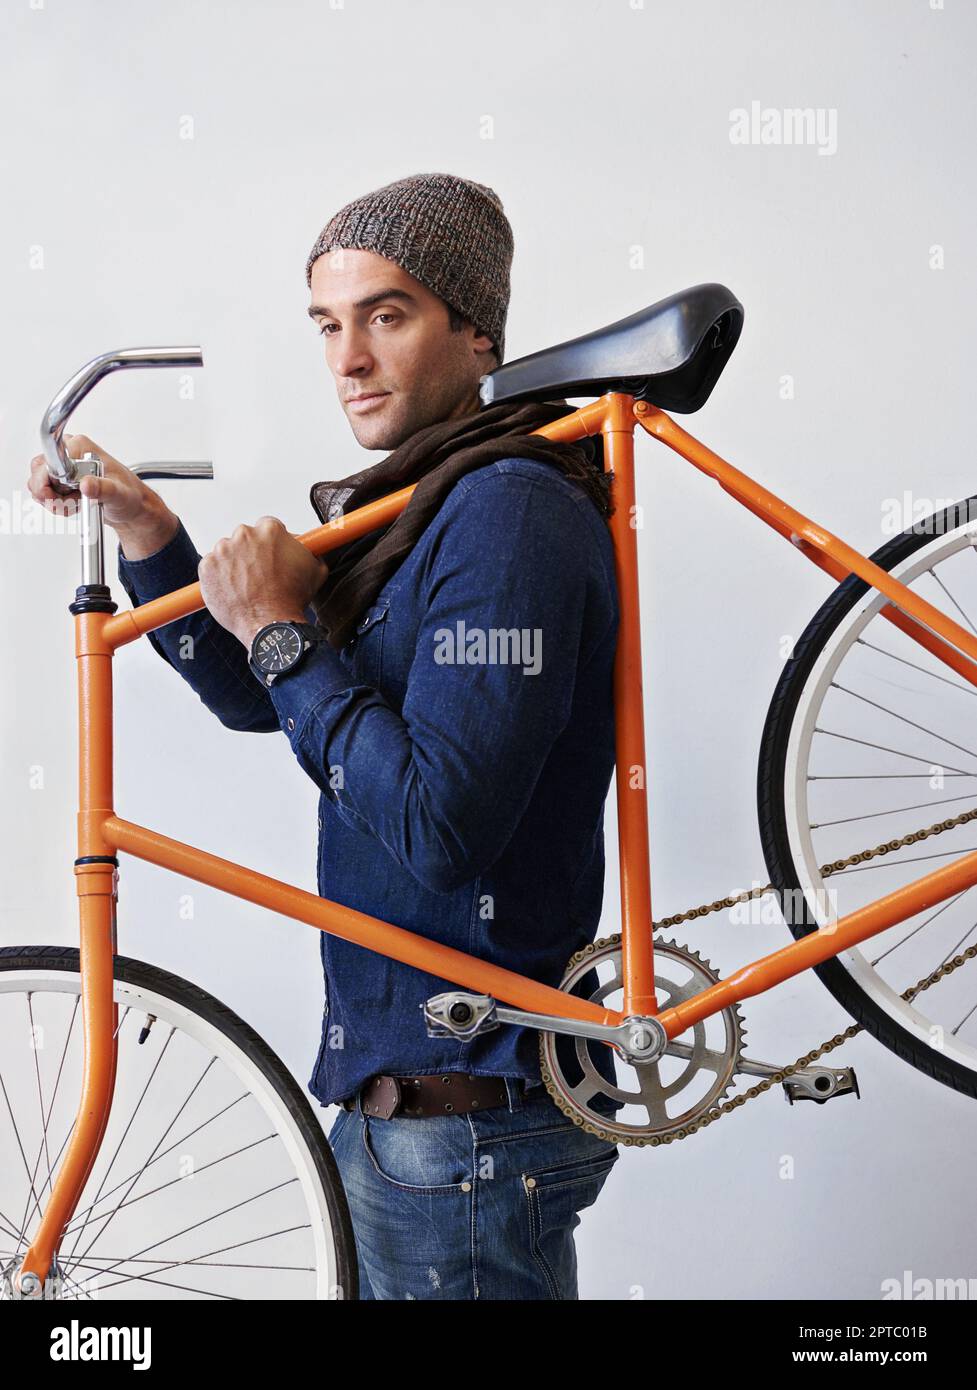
{"type": "Point", "coordinates": [452, 699]}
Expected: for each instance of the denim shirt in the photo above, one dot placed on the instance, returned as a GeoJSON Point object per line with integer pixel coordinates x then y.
{"type": "Point", "coordinates": [462, 766]}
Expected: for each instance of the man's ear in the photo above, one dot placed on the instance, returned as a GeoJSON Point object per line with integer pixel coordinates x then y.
{"type": "Point", "coordinates": [482, 345]}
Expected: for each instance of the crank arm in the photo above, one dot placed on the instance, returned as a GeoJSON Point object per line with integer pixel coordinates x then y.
{"type": "Point", "coordinates": [744, 1065]}
{"type": "Point", "coordinates": [807, 1083]}
{"type": "Point", "coordinates": [458, 1014]}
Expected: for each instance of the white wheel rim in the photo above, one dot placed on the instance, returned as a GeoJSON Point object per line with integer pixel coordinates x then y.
{"type": "Point", "coordinates": [212, 1040]}
{"type": "Point", "coordinates": [796, 804]}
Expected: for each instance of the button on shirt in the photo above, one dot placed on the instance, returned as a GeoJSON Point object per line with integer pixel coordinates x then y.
{"type": "Point", "coordinates": [463, 745]}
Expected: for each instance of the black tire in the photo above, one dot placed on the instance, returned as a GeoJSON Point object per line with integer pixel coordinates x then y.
{"type": "Point", "coordinates": [771, 805]}
{"type": "Point", "coordinates": [189, 996]}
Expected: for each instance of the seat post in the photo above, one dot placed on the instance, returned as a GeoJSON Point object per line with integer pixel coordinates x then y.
{"type": "Point", "coordinates": [632, 805]}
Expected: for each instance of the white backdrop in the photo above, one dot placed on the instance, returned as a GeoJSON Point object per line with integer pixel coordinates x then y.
{"type": "Point", "coordinates": [165, 171]}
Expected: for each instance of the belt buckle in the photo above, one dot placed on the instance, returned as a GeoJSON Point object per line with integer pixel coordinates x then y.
{"type": "Point", "coordinates": [381, 1097]}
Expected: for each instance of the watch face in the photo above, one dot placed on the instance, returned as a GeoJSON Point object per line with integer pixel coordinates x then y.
{"type": "Point", "coordinates": [278, 649]}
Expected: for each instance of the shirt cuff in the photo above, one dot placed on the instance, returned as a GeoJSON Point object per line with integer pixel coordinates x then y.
{"type": "Point", "coordinates": [296, 694]}
{"type": "Point", "coordinates": [173, 566]}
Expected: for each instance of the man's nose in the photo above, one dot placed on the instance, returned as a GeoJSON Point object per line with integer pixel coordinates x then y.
{"type": "Point", "coordinates": [352, 357]}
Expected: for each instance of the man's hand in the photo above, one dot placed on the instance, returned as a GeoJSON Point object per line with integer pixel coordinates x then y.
{"type": "Point", "coordinates": [259, 574]}
{"type": "Point", "coordinates": [141, 519]}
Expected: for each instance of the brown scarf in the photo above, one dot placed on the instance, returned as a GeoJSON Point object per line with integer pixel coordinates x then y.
{"type": "Point", "coordinates": [435, 458]}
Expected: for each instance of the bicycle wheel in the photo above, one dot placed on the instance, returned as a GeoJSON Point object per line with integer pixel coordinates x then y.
{"type": "Point", "coordinates": [214, 1179]}
{"type": "Point", "coordinates": [870, 738]}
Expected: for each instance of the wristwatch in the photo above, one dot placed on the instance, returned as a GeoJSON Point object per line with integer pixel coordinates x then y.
{"type": "Point", "coordinates": [279, 647]}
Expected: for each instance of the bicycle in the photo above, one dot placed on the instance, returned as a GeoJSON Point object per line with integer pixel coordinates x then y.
{"type": "Point", "coordinates": [668, 356]}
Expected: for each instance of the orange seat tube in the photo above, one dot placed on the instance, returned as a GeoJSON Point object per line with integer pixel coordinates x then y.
{"type": "Point", "coordinates": [632, 773]}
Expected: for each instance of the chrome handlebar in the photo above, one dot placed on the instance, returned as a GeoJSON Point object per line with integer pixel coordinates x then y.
{"type": "Point", "coordinates": [172, 470]}
{"type": "Point", "coordinates": [66, 472]}
{"type": "Point", "coordinates": [61, 467]}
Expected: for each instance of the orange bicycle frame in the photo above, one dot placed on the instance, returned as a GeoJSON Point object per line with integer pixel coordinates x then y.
{"type": "Point", "coordinates": [101, 833]}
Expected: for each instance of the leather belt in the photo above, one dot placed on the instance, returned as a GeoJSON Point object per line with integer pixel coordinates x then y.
{"type": "Point", "coordinates": [417, 1097]}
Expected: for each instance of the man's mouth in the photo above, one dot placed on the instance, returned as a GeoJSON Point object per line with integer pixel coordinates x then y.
{"type": "Point", "coordinates": [368, 401]}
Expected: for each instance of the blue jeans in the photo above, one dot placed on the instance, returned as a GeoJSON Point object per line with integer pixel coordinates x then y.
{"type": "Point", "coordinates": [471, 1206]}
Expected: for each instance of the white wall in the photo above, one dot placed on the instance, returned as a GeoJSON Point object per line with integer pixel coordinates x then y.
{"type": "Point", "coordinates": [610, 129]}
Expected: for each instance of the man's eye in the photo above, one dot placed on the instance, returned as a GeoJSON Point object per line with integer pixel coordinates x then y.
{"type": "Point", "coordinates": [326, 327]}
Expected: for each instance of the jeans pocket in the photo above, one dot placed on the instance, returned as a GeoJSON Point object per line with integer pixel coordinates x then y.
{"type": "Point", "coordinates": [573, 1170]}
{"type": "Point", "coordinates": [432, 1155]}
{"type": "Point", "coordinates": [555, 1195]}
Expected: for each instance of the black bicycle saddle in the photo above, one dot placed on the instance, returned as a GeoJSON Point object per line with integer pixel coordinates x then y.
{"type": "Point", "coordinates": [670, 354]}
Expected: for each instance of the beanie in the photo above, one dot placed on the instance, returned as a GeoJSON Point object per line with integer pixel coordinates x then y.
{"type": "Point", "coordinates": [450, 233]}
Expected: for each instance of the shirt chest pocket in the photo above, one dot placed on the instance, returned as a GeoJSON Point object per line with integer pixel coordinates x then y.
{"type": "Point", "coordinates": [365, 647]}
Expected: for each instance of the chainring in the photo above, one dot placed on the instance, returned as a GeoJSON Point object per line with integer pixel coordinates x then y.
{"type": "Point", "coordinates": [680, 973]}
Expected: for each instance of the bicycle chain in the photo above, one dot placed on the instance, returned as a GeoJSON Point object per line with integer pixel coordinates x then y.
{"type": "Point", "coordinates": [724, 1108]}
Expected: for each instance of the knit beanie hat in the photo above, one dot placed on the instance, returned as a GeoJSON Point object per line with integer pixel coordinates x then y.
{"type": "Point", "coordinates": [450, 233]}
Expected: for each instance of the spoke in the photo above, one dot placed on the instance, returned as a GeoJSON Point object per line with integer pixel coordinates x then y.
{"type": "Point", "coordinates": [82, 1293]}
{"type": "Point", "coordinates": [142, 1096]}
{"type": "Point", "coordinates": [934, 575]}
{"type": "Point", "coordinates": [884, 748]}
{"type": "Point", "coordinates": [166, 1284]}
{"type": "Point", "coordinates": [967, 689]}
{"type": "Point", "coordinates": [186, 1102]}
{"type": "Point", "coordinates": [20, 1146]}
{"type": "Point", "coordinates": [40, 1093]}
{"type": "Point", "coordinates": [954, 949]}
{"type": "Point", "coordinates": [246, 1201]}
{"type": "Point", "coordinates": [874, 815]}
{"type": "Point", "coordinates": [889, 949]}
{"type": "Point", "coordinates": [28, 1210]}
{"type": "Point", "coordinates": [898, 863]}
{"type": "Point", "coordinates": [9, 1229]}
{"type": "Point", "coordinates": [903, 719]}
{"type": "Point", "coordinates": [967, 1015]}
{"type": "Point", "coordinates": [196, 1172]}
{"type": "Point", "coordinates": [161, 1155]}
{"type": "Point", "coordinates": [200, 1262]}
{"type": "Point", "coordinates": [877, 776]}
{"type": "Point", "coordinates": [208, 1263]}
{"type": "Point", "coordinates": [71, 1127]}
{"type": "Point", "coordinates": [64, 1144]}
{"type": "Point", "coordinates": [68, 1257]}
{"type": "Point", "coordinates": [147, 1278]}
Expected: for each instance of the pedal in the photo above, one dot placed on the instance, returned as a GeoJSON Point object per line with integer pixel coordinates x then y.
{"type": "Point", "coordinates": [456, 1014]}
{"type": "Point", "coordinates": [820, 1084]}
